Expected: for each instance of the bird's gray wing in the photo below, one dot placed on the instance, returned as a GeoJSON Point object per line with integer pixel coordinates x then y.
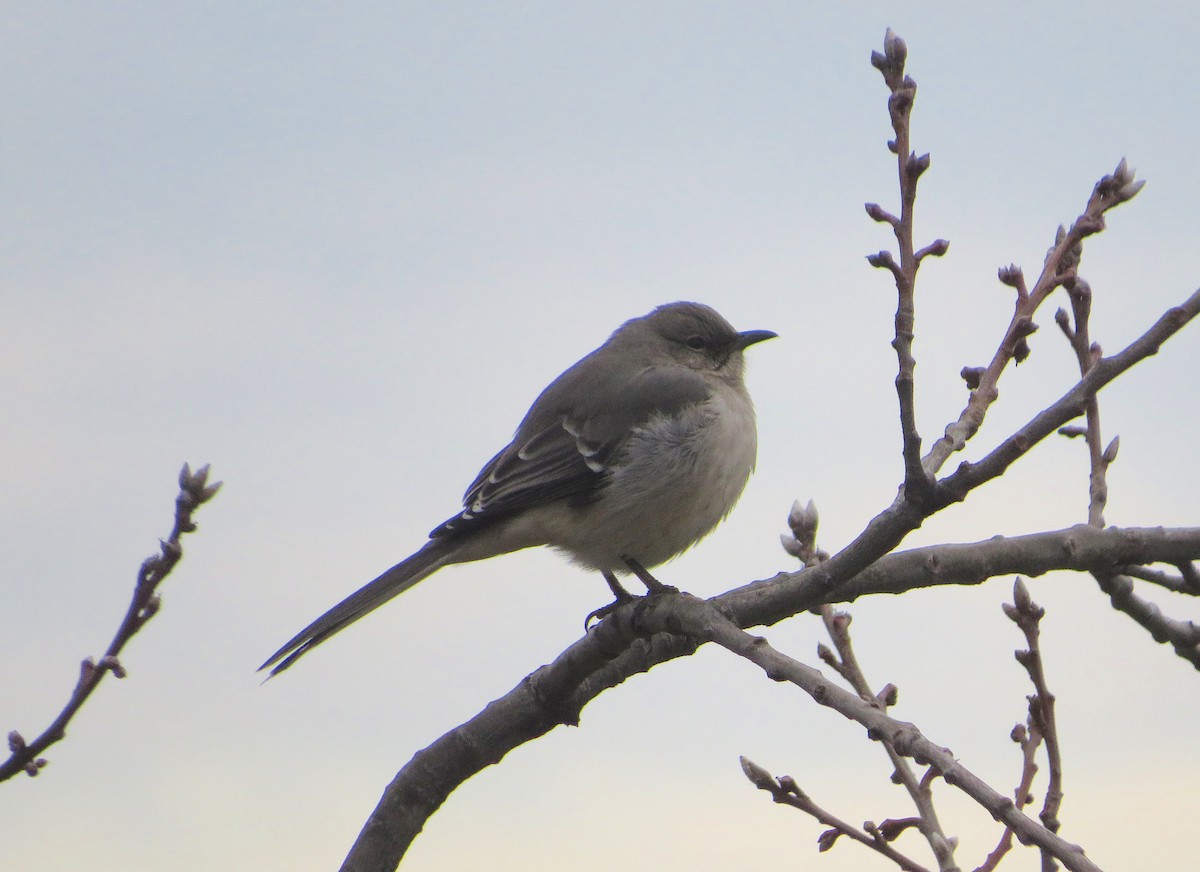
{"type": "Point", "coordinates": [562, 450]}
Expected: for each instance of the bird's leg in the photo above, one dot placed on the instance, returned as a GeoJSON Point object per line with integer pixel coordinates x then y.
{"type": "Point", "coordinates": [653, 585]}
{"type": "Point", "coordinates": [619, 591]}
{"type": "Point", "coordinates": [620, 594]}
{"type": "Point", "coordinates": [653, 588]}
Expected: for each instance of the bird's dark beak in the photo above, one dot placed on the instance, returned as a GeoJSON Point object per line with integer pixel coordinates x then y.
{"type": "Point", "coordinates": [745, 340]}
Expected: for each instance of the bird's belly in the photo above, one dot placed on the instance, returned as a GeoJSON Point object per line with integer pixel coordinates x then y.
{"type": "Point", "coordinates": [673, 483]}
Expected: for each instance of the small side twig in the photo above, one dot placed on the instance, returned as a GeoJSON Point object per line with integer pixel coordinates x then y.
{"type": "Point", "coordinates": [703, 621]}
{"type": "Point", "coordinates": [1027, 615]}
{"type": "Point", "coordinates": [1087, 353]}
{"type": "Point", "coordinates": [1184, 583]}
{"type": "Point", "coordinates": [194, 491]}
{"type": "Point", "coordinates": [1184, 636]}
{"type": "Point", "coordinates": [802, 544]}
{"type": "Point", "coordinates": [845, 662]}
{"type": "Point", "coordinates": [785, 791]}
{"type": "Point", "coordinates": [1029, 741]}
{"type": "Point", "coordinates": [1058, 268]}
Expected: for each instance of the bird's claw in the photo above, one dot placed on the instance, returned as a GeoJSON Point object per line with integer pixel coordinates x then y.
{"type": "Point", "coordinates": [604, 611]}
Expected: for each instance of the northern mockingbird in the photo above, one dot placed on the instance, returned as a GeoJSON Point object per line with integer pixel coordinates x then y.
{"type": "Point", "coordinates": [627, 459]}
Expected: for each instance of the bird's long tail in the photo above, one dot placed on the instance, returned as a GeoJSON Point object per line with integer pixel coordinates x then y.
{"type": "Point", "coordinates": [433, 556]}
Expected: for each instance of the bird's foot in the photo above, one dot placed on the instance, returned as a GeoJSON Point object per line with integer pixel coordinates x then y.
{"type": "Point", "coordinates": [604, 611]}
{"type": "Point", "coordinates": [620, 597]}
{"type": "Point", "coordinates": [653, 585]}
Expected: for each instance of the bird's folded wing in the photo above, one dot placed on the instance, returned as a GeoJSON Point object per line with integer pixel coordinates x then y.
{"type": "Point", "coordinates": [563, 453]}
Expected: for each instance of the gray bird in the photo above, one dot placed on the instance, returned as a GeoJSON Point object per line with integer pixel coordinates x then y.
{"type": "Point", "coordinates": [626, 460]}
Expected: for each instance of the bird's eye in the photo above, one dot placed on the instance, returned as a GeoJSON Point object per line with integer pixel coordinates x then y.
{"type": "Point", "coordinates": [697, 343]}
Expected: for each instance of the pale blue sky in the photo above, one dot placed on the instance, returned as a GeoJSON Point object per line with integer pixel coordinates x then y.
{"type": "Point", "coordinates": [336, 249]}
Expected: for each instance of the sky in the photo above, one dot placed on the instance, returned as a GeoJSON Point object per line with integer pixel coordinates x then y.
{"type": "Point", "coordinates": [335, 250]}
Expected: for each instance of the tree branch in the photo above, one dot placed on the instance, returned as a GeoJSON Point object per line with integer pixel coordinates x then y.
{"type": "Point", "coordinates": [837, 624]}
{"type": "Point", "coordinates": [1043, 726]}
{"type": "Point", "coordinates": [918, 484]}
{"type": "Point", "coordinates": [1184, 636]}
{"type": "Point", "coordinates": [637, 636]}
{"type": "Point", "coordinates": [785, 791]}
{"type": "Point", "coordinates": [1058, 267]}
{"type": "Point", "coordinates": [193, 492]}
{"type": "Point", "coordinates": [615, 649]}
{"type": "Point", "coordinates": [701, 619]}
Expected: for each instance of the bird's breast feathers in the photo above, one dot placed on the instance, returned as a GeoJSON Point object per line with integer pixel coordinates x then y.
{"type": "Point", "coordinates": [671, 482]}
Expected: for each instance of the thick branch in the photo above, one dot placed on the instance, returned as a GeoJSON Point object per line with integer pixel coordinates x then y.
{"type": "Point", "coordinates": [887, 529]}
{"type": "Point", "coordinates": [1071, 404]}
{"type": "Point", "coordinates": [616, 649]}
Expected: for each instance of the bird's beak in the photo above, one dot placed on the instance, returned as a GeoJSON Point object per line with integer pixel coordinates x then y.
{"type": "Point", "coordinates": [748, 338]}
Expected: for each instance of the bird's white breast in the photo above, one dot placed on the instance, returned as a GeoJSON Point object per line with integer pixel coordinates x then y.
{"type": "Point", "coordinates": [672, 482]}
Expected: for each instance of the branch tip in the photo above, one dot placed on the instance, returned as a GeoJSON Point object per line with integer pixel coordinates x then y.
{"type": "Point", "coordinates": [937, 248]}
{"type": "Point", "coordinates": [759, 777]}
{"type": "Point", "coordinates": [880, 214]}
{"type": "Point", "coordinates": [1110, 453]}
{"type": "Point", "coordinates": [972, 376]}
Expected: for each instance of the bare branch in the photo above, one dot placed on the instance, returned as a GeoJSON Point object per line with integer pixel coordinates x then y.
{"type": "Point", "coordinates": [803, 522]}
{"type": "Point", "coordinates": [918, 484]}
{"type": "Point", "coordinates": [1184, 636]}
{"type": "Point", "coordinates": [887, 529]}
{"type": "Point", "coordinates": [837, 624]}
{"type": "Point", "coordinates": [1080, 548]}
{"type": "Point", "coordinates": [1086, 353]}
{"type": "Point", "coordinates": [637, 636]}
{"type": "Point", "coordinates": [1027, 615]}
{"type": "Point", "coordinates": [1175, 583]}
{"type": "Point", "coordinates": [194, 491]}
{"type": "Point", "coordinates": [1059, 268]}
{"type": "Point", "coordinates": [786, 791]}
{"type": "Point", "coordinates": [615, 649]}
{"type": "Point", "coordinates": [699, 619]}
{"type": "Point", "coordinates": [1029, 740]}
{"type": "Point", "coordinates": [1073, 403]}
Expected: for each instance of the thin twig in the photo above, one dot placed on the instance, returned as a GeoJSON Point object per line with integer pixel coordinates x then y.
{"type": "Point", "coordinates": [803, 522]}
{"type": "Point", "coordinates": [785, 791]}
{"type": "Point", "coordinates": [837, 624]}
{"type": "Point", "coordinates": [193, 492]}
{"type": "Point", "coordinates": [1183, 636]}
{"type": "Point", "coordinates": [1174, 583]}
{"type": "Point", "coordinates": [1027, 615]}
{"type": "Point", "coordinates": [1087, 353]}
{"type": "Point", "coordinates": [918, 483]}
{"type": "Point", "coordinates": [1030, 740]}
{"type": "Point", "coordinates": [1058, 268]}
{"type": "Point", "coordinates": [699, 619]}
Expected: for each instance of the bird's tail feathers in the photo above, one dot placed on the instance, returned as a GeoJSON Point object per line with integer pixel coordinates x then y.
{"type": "Point", "coordinates": [433, 556]}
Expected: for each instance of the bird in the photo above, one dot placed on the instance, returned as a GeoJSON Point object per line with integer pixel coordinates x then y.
{"type": "Point", "coordinates": [630, 457]}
